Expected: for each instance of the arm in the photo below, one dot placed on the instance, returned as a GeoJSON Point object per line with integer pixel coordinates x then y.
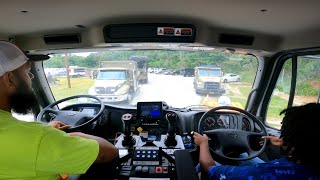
{"type": "Point", "coordinates": [58, 125]}
{"type": "Point", "coordinates": [107, 151]}
{"type": "Point", "coordinates": [205, 158]}
{"type": "Point", "coordinates": [274, 141]}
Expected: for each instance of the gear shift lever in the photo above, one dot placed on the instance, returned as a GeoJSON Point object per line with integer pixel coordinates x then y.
{"type": "Point", "coordinates": [171, 135]}
{"type": "Point", "coordinates": [128, 140]}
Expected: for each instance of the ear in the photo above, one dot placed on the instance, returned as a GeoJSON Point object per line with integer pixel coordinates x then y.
{"type": "Point", "coordinates": [9, 81]}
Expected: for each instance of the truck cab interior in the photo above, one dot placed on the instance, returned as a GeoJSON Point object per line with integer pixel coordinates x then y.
{"type": "Point", "coordinates": [274, 46]}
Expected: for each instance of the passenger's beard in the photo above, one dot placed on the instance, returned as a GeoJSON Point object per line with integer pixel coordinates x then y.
{"type": "Point", "coordinates": [23, 100]}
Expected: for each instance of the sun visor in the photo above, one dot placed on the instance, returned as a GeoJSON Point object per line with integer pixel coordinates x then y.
{"type": "Point", "coordinates": [159, 32]}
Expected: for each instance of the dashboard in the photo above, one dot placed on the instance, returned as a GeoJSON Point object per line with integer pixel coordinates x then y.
{"type": "Point", "coordinates": [150, 118]}
{"type": "Point", "coordinates": [145, 139]}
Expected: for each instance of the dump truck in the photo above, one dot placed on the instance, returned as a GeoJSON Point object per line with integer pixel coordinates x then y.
{"type": "Point", "coordinates": [116, 81]}
{"type": "Point", "coordinates": [207, 80]}
{"type": "Point", "coordinates": [142, 62]}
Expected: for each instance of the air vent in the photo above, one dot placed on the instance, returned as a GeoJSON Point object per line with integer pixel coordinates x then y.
{"type": "Point", "coordinates": [62, 39]}
{"type": "Point", "coordinates": [236, 39]}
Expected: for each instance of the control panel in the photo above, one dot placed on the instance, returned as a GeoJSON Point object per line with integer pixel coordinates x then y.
{"type": "Point", "coordinates": [148, 159]}
{"type": "Point", "coordinates": [148, 162]}
{"type": "Point", "coordinates": [145, 157]}
{"type": "Point", "coordinates": [151, 119]}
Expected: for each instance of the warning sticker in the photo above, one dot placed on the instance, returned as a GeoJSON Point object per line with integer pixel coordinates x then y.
{"type": "Point", "coordinates": [186, 31]}
{"type": "Point", "coordinates": [177, 31]}
{"type": "Point", "coordinates": [169, 31]}
{"type": "Point", "coordinates": [160, 31]}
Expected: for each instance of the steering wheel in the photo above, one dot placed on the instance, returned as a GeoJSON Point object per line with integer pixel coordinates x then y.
{"type": "Point", "coordinates": [233, 138]}
{"type": "Point", "coordinates": [74, 118]}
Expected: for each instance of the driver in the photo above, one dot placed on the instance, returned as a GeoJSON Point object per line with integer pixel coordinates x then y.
{"type": "Point", "coordinates": [299, 127]}
{"type": "Point", "coordinates": [32, 150]}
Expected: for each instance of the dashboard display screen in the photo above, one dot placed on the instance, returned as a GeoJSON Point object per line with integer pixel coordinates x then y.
{"type": "Point", "coordinates": [149, 112]}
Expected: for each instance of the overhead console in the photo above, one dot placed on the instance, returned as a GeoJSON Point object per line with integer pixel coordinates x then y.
{"type": "Point", "coordinates": [149, 32]}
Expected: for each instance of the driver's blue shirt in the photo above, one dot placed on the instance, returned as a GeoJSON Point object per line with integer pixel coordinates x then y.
{"type": "Point", "coordinates": [272, 170]}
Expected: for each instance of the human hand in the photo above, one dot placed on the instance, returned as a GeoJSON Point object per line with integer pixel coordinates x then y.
{"type": "Point", "coordinates": [58, 125]}
{"type": "Point", "coordinates": [200, 139]}
{"type": "Point", "coordinates": [274, 141]}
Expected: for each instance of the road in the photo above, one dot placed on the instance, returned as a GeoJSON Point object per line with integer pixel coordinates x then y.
{"type": "Point", "coordinates": [176, 91]}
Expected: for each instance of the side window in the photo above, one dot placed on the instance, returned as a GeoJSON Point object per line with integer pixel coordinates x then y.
{"type": "Point", "coordinates": [24, 117]}
{"type": "Point", "coordinates": [306, 88]}
{"type": "Point", "coordinates": [308, 80]}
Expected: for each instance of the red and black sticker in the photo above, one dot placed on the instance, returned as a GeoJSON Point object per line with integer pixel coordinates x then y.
{"type": "Point", "coordinates": [171, 31]}
{"type": "Point", "coordinates": [186, 32]}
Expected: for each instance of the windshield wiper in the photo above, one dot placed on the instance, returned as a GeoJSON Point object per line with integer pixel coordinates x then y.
{"type": "Point", "coordinates": [198, 107]}
{"type": "Point", "coordinates": [178, 109]}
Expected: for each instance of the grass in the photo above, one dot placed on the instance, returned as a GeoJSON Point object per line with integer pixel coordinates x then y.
{"type": "Point", "coordinates": [78, 86]}
{"type": "Point", "coordinates": [276, 106]}
{"type": "Point", "coordinates": [230, 93]}
{"type": "Point", "coordinates": [245, 90]}
{"type": "Point", "coordinates": [239, 100]}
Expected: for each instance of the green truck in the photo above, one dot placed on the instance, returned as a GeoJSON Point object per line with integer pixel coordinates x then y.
{"type": "Point", "coordinates": [116, 81]}
{"type": "Point", "coordinates": [207, 80]}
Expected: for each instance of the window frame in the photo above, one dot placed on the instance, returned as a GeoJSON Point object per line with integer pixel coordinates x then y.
{"type": "Point", "coordinates": [276, 64]}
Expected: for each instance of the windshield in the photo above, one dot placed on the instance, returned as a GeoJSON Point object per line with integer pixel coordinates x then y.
{"type": "Point", "coordinates": [169, 76]}
{"type": "Point", "coordinates": [209, 72]}
{"type": "Point", "coordinates": [111, 75]}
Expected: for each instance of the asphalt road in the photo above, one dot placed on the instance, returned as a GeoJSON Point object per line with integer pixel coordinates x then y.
{"type": "Point", "coordinates": [176, 91]}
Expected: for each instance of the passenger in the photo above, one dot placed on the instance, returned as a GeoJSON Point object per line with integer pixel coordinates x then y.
{"type": "Point", "coordinates": [32, 150]}
{"type": "Point", "coordinates": [300, 126]}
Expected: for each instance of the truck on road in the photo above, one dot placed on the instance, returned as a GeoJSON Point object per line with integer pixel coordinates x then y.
{"type": "Point", "coordinates": [116, 81]}
{"type": "Point", "coordinates": [207, 80]}
{"type": "Point", "coordinates": [142, 62]}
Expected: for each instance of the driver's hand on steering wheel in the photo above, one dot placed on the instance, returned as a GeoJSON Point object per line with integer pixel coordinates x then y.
{"type": "Point", "coordinates": [199, 139]}
{"type": "Point", "coordinates": [273, 140]}
{"type": "Point", "coordinates": [59, 125]}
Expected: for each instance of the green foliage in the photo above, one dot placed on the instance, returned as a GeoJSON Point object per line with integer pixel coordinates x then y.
{"type": "Point", "coordinates": [304, 89]}
{"type": "Point", "coordinates": [279, 88]}
{"type": "Point", "coordinates": [160, 59]}
{"type": "Point", "coordinates": [308, 71]}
